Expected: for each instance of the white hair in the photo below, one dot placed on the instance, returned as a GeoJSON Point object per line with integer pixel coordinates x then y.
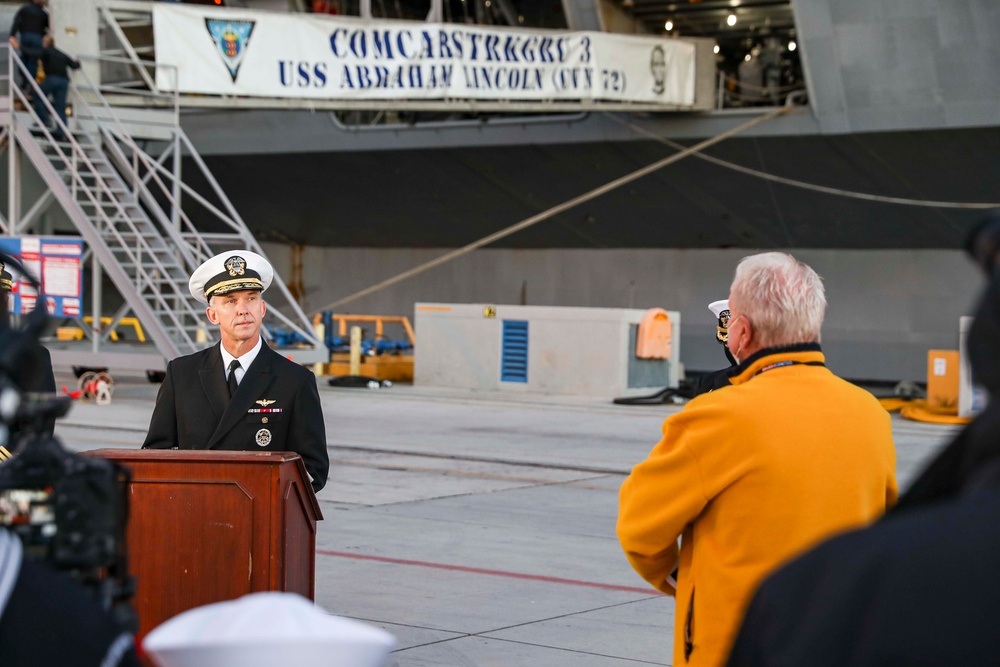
{"type": "Point", "coordinates": [782, 297]}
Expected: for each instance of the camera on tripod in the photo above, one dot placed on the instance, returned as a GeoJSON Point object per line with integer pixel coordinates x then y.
{"type": "Point", "coordinates": [69, 511]}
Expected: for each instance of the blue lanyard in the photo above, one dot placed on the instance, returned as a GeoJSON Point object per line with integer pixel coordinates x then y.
{"type": "Point", "coordinates": [779, 364]}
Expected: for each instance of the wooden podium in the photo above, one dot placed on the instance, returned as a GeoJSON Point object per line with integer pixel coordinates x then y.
{"type": "Point", "coordinates": [207, 526]}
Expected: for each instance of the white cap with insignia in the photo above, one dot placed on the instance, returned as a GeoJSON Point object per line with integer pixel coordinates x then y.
{"type": "Point", "coordinates": [263, 630]}
{"type": "Point", "coordinates": [718, 306]}
{"type": "Point", "coordinates": [721, 311]}
{"type": "Point", "coordinates": [230, 271]}
{"type": "Point", "coordinates": [6, 279]}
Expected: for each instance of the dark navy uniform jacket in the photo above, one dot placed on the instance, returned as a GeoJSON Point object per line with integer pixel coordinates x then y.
{"type": "Point", "coordinates": [276, 408]}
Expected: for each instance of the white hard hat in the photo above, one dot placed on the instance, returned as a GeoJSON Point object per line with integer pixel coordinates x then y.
{"type": "Point", "coordinates": [264, 630]}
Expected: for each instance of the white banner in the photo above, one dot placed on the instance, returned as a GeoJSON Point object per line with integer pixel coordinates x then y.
{"type": "Point", "coordinates": [263, 54]}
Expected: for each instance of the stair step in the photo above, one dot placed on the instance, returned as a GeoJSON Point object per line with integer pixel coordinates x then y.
{"type": "Point", "coordinates": [149, 253]}
{"type": "Point", "coordinates": [115, 185]}
{"type": "Point", "coordinates": [172, 277]}
{"type": "Point", "coordinates": [64, 149]}
{"type": "Point", "coordinates": [82, 170]}
{"type": "Point", "coordinates": [109, 207]}
{"type": "Point", "coordinates": [136, 238]}
{"type": "Point", "coordinates": [130, 241]}
{"type": "Point", "coordinates": [89, 197]}
{"type": "Point", "coordinates": [153, 275]}
{"type": "Point", "coordinates": [87, 178]}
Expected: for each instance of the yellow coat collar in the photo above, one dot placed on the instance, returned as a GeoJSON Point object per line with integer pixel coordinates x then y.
{"type": "Point", "coordinates": [803, 353]}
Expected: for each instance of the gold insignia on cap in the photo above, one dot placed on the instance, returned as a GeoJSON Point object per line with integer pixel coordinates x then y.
{"type": "Point", "coordinates": [722, 331]}
{"type": "Point", "coordinates": [6, 280]}
{"type": "Point", "coordinates": [236, 266]}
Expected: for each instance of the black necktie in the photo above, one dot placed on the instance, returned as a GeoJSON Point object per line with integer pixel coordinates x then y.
{"type": "Point", "coordinates": [233, 365]}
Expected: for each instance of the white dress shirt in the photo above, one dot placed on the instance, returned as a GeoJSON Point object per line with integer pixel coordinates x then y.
{"type": "Point", "coordinates": [244, 360]}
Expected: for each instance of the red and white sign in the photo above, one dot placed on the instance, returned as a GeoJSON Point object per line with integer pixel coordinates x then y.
{"type": "Point", "coordinates": [72, 249]}
{"type": "Point", "coordinates": [61, 276]}
{"type": "Point", "coordinates": [57, 262]}
{"type": "Point", "coordinates": [71, 307]}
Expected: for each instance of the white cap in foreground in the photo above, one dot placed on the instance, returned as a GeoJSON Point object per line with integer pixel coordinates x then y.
{"type": "Point", "coordinates": [264, 630]}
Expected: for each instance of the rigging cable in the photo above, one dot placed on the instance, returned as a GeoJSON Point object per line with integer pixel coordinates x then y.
{"type": "Point", "coordinates": [559, 208]}
{"type": "Point", "coordinates": [808, 186]}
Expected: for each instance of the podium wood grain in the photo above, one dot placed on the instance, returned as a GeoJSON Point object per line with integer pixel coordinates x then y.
{"type": "Point", "coordinates": [208, 526]}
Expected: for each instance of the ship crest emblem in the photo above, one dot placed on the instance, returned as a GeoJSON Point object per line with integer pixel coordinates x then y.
{"type": "Point", "coordinates": [263, 437]}
{"type": "Point", "coordinates": [231, 41]}
{"type": "Point", "coordinates": [236, 266]}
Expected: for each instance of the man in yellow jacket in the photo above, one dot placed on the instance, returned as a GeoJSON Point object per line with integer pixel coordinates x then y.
{"type": "Point", "coordinates": [752, 474]}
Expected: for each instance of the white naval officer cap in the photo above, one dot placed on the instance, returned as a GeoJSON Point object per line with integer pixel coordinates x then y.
{"type": "Point", "coordinates": [264, 630]}
{"type": "Point", "coordinates": [718, 306]}
{"type": "Point", "coordinates": [228, 272]}
{"type": "Point", "coordinates": [721, 311]}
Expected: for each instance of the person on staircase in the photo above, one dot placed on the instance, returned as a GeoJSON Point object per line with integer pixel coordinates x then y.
{"type": "Point", "coordinates": [31, 24]}
{"type": "Point", "coordinates": [56, 84]}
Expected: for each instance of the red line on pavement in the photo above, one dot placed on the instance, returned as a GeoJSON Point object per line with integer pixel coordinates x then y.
{"type": "Point", "coordinates": [495, 573]}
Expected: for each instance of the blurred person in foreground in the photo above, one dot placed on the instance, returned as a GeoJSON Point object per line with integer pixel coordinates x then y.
{"type": "Point", "coordinates": [49, 620]}
{"type": "Point", "coordinates": [750, 475]}
{"type": "Point", "coordinates": [921, 586]}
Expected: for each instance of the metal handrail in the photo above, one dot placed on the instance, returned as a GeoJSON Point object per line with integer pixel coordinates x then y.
{"type": "Point", "coordinates": [79, 157]}
{"type": "Point", "coordinates": [193, 246]}
{"type": "Point", "coordinates": [126, 44]}
{"type": "Point", "coordinates": [760, 94]}
{"type": "Point", "coordinates": [154, 92]}
{"type": "Point", "coordinates": [233, 220]}
{"type": "Point", "coordinates": [128, 140]}
{"type": "Point", "coordinates": [252, 243]}
{"type": "Point", "coordinates": [138, 182]}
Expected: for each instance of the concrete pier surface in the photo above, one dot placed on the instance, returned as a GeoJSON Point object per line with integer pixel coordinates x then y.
{"type": "Point", "coordinates": [478, 528]}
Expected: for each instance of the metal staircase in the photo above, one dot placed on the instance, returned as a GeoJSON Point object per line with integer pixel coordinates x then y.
{"type": "Point", "coordinates": [133, 209]}
{"type": "Point", "coordinates": [131, 249]}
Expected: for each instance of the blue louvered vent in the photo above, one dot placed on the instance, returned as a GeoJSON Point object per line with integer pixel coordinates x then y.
{"type": "Point", "coordinates": [514, 356]}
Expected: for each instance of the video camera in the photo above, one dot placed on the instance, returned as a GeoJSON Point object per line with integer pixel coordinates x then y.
{"type": "Point", "coordinates": [69, 511]}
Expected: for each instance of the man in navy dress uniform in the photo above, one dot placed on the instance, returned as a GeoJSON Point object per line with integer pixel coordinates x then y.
{"type": "Point", "coordinates": [240, 394]}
